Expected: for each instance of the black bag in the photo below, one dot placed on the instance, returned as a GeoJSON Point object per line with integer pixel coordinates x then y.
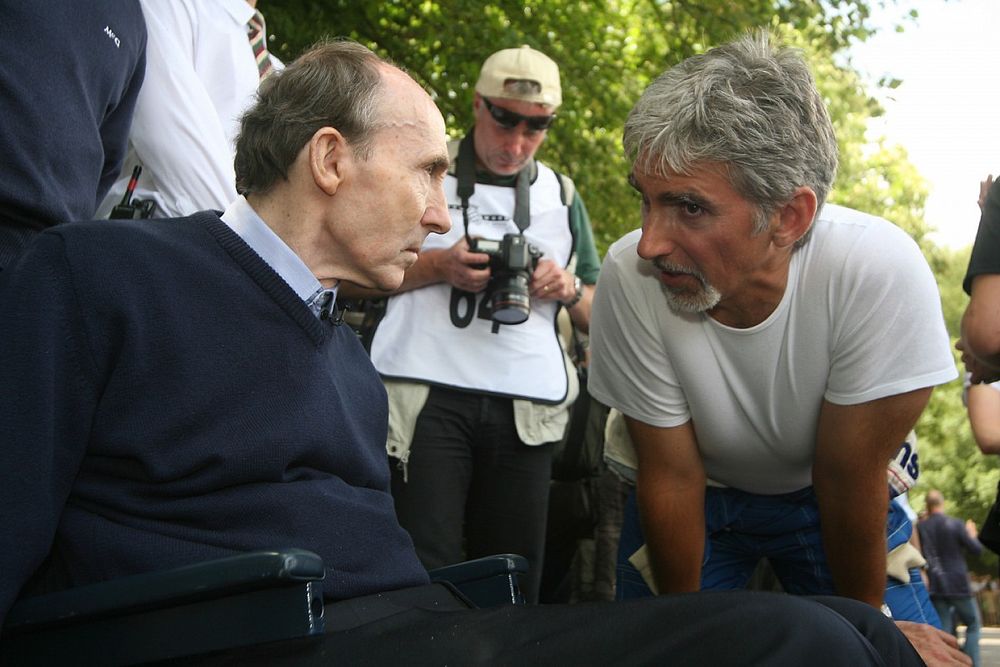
{"type": "Point", "coordinates": [989, 534]}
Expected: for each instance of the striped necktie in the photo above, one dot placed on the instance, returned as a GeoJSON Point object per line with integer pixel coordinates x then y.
{"type": "Point", "coordinates": [258, 42]}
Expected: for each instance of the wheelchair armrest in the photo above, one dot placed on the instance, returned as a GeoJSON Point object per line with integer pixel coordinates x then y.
{"type": "Point", "coordinates": [218, 604]}
{"type": "Point", "coordinates": [490, 581]}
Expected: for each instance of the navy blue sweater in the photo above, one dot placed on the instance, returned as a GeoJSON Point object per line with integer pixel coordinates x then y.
{"type": "Point", "coordinates": [166, 398]}
{"type": "Point", "coordinates": [70, 77]}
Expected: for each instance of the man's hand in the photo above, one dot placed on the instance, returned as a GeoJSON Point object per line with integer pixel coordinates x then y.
{"type": "Point", "coordinates": [984, 188]}
{"type": "Point", "coordinates": [979, 370]}
{"type": "Point", "coordinates": [970, 528]}
{"type": "Point", "coordinates": [458, 267]}
{"type": "Point", "coordinates": [935, 647]}
{"type": "Point", "coordinates": [551, 282]}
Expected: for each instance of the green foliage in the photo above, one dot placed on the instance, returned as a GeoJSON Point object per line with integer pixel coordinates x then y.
{"type": "Point", "coordinates": [608, 51]}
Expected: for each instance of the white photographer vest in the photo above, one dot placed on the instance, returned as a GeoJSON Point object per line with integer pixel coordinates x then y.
{"type": "Point", "coordinates": [417, 340]}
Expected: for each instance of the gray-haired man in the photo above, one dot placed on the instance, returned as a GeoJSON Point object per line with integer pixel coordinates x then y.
{"type": "Point", "coordinates": [769, 353]}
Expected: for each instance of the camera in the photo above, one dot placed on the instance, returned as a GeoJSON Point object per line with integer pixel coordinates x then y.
{"type": "Point", "coordinates": [512, 261]}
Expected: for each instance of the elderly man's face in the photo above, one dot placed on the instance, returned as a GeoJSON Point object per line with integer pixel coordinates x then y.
{"type": "Point", "coordinates": [504, 151]}
{"type": "Point", "coordinates": [699, 233]}
{"type": "Point", "coordinates": [396, 195]}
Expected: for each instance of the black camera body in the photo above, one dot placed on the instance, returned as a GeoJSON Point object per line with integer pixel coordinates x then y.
{"type": "Point", "coordinates": [512, 261]}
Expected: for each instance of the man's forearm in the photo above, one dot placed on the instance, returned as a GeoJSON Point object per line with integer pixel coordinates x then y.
{"type": "Point", "coordinates": [854, 444]}
{"type": "Point", "coordinates": [670, 488]}
{"type": "Point", "coordinates": [673, 524]}
{"type": "Point", "coordinates": [853, 521]}
{"type": "Point", "coordinates": [984, 417]}
{"type": "Point", "coordinates": [980, 327]}
{"type": "Point", "coordinates": [580, 312]}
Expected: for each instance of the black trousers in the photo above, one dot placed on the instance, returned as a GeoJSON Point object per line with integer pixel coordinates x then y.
{"type": "Point", "coordinates": [471, 487]}
{"type": "Point", "coordinates": [715, 628]}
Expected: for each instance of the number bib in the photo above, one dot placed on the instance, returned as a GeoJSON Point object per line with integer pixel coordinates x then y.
{"type": "Point", "coordinates": [418, 339]}
{"type": "Point", "coordinates": [904, 468]}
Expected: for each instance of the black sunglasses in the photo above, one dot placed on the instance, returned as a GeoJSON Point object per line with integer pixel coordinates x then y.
{"type": "Point", "coordinates": [509, 120]}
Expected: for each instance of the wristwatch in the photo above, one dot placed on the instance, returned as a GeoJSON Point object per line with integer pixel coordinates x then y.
{"type": "Point", "coordinates": [578, 286]}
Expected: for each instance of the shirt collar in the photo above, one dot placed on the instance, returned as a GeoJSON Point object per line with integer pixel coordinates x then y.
{"type": "Point", "coordinates": [242, 219]}
{"type": "Point", "coordinates": [238, 9]}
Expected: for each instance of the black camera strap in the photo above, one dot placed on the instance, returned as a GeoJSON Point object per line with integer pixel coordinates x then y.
{"type": "Point", "coordinates": [522, 199]}
{"type": "Point", "coordinates": [465, 172]}
{"type": "Point", "coordinates": [462, 303]}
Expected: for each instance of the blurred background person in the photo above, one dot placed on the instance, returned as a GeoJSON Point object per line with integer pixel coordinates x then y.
{"type": "Point", "coordinates": [205, 61]}
{"type": "Point", "coordinates": [983, 404]}
{"type": "Point", "coordinates": [945, 540]}
{"type": "Point", "coordinates": [70, 78]}
{"type": "Point", "coordinates": [980, 338]}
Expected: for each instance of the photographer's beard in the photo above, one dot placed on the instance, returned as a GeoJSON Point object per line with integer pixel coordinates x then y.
{"type": "Point", "coordinates": [700, 299]}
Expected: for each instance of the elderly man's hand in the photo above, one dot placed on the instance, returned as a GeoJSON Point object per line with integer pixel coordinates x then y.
{"type": "Point", "coordinates": [935, 647]}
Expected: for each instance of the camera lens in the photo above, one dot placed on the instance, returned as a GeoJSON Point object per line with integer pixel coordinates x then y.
{"type": "Point", "coordinates": [511, 303]}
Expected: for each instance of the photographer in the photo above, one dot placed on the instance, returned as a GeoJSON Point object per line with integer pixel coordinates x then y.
{"type": "Point", "coordinates": [476, 375]}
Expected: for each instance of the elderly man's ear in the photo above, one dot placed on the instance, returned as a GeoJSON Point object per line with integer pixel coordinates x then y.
{"type": "Point", "coordinates": [330, 156]}
{"type": "Point", "coordinates": [795, 217]}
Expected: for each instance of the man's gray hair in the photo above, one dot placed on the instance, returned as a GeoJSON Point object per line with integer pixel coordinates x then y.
{"type": "Point", "coordinates": [749, 105]}
{"type": "Point", "coordinates": [334, 84]}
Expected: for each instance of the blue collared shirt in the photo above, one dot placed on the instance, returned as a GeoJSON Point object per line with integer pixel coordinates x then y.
{"type": "Point", "coordinates": [243, 220]}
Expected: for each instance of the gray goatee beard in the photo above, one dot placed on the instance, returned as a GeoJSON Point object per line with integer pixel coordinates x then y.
{"type": "Point", "coordinates": [686, 301]}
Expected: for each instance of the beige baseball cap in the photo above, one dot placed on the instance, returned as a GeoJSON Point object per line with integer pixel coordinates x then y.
{"type": "Point", "coordinates": [522, 64]}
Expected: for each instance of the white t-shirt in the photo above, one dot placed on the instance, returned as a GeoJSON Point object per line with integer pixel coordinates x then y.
{"type": "Point", "coordinates": [860, 320]}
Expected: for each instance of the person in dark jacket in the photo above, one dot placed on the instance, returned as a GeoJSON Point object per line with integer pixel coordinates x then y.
{"type": "Point", "coordinates": [945, 540]}
{"type": "Point", "coordinates": [71, 75]}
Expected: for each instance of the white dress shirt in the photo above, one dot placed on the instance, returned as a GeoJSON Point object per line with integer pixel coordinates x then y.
{"type": "Point", "coordinates": [200, 77]}
{"type": "Point", "coordinates": [243, 220]}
